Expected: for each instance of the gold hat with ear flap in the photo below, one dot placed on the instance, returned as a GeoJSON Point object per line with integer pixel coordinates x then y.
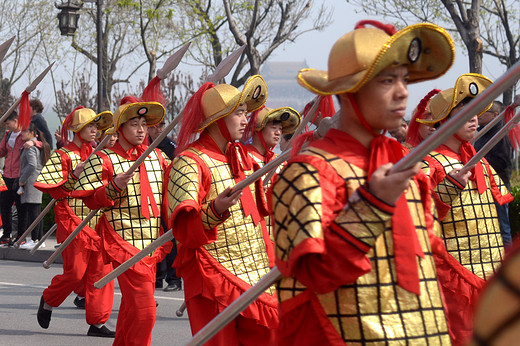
{"type": "Point", "coordinates": [467, 85]}
{"type": "Point", "coordinates": [85, 116]}
{"type": "Point", "coordinates": [289, 118]}
{"type": "Point", "coordinates": [153, 112]}
{"type": "Point", "coordinates": [426, 49]}
{"type": "Point", "coordinates": [223, 99]}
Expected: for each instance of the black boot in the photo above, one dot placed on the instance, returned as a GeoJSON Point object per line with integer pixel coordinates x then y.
{"type": "Point", "coordinates": [44, 315]}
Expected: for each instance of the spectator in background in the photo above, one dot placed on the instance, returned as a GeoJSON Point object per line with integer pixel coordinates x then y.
{"type": "Point", "coordinates": [399, 133]}
{"type": "Point", "coordinates": [10, 147]}
{"type": "Point", "coordinates": [38, 120]}
{"type": "Point", "coordinates": [32, 160]}
{"type": "Point", "coordinates": [500, 157]}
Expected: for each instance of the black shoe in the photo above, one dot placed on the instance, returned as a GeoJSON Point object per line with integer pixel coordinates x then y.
{"type": "Point", "coordinates": [158, 284]}
{"type": "Point", "coordinates": [156, 304]}
{"type": "Point", "coordinates": [102, 332]}
{"type": "Point", "coordinates": [80, 303]}
{"type": "Point", "coordinates": [172, 287]}
{"type": "Point", "coordinates": [44, 315]}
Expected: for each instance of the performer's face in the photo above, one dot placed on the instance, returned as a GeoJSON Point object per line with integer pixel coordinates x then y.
{"type": "Point", "coordinates": [88, 132]}
{"type": "Point", "coordinates": [272, 133]}
{"type": "Point", "coordinates": [468, 130]}
{"type": "Point", "coordinates": [424, 130]}
{"type": "Point", "coordinates": [382, 101]}
{"type": "Point", "coordinates": [134, 130]}
{"type": "Point", "coordinates": [236, 122]}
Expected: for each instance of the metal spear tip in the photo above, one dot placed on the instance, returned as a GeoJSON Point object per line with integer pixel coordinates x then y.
{"type": "Point", "coordinates": [4, 47]}
{"type": "Point", "coordinates": [38, 79]}
{"type": "Point", "coordinates": [226, 65]}
{"type": "Point", "coordinates": [172, 62]}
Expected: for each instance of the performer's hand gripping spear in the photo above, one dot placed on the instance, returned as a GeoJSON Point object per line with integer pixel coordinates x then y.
{"type": "Point", "coordinates": [415, 156]}
{"type": "Point", "coordinates": [222, 70]}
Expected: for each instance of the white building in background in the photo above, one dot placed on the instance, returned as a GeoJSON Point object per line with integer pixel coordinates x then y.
{"type": "Point", "coordinates": [282, 88]}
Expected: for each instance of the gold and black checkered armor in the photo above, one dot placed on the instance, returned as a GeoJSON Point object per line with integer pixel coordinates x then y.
{"type": "Point", "coordinates": [471, 230]}
{"type": "Point", "coordinates": [240, 246]}
{"type": "Point", "coordinates": [52, 174]}
{"type": "Point", "coordinates": [126, 217]}
{"type": "Point", "coordinates": [374, 310]}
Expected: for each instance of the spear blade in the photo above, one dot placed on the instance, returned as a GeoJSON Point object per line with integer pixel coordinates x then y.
{"type": "Point", "coordinates": [4, 47]}
{"type": "Point", "coordinates": [172, 62]}
{"type": "Point", "coordinates": [38, 79]}
{"type": "Point", "coordinates": [226, 65]}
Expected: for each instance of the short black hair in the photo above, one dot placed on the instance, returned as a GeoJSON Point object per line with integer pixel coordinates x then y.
{"type": "Point", "coordinates": [12, 116]}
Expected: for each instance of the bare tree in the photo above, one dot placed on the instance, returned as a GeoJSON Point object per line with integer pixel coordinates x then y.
{"type": "Point", "coordinates": [501, 36]}
{"type": "Point", "coordinates": [456, 15]}
{"type": "Point", "coordinates": [263, 25]}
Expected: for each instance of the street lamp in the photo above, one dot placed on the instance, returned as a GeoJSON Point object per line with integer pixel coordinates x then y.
{"type": "Point", "coordinates": [68, 23]}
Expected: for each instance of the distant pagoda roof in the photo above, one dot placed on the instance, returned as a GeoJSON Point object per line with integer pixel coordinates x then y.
{"type": "Point", "coordinates": [280, 70]}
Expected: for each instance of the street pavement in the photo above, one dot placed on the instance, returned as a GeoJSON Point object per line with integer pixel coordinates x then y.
{"type": "Point", "coordinates": [21, 284]}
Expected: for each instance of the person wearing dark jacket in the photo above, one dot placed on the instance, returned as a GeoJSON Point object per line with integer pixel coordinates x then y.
{"type": "Point", "coordinates": [39, 120]}
{"type": "Point", "coordinates": [500, 157]}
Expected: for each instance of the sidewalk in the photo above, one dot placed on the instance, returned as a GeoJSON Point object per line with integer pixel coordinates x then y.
{"type": "Point", "coordinates": [41, 255]}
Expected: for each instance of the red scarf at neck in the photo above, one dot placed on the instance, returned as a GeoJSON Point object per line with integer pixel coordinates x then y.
{"type": "Point", "coordinates": [406, 243]}
{"type": "Point", "coordinates": [240, 162]}
{"type": "Point", "coordinates": [147, 197]}
{"type": "Point", "coordinates": [85, 149]}
{"type": "Point", "coordinates": [269, 154]}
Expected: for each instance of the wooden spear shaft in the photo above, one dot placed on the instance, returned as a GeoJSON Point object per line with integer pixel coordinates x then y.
{"type": "Point", "coordinates": [492, 142]}
{"type": "Point", "coordinates": [44, 238]}
{"type": "Point", "coordinates": [415, 156]}
{"type": "Point", "coordinates": [166, 237]}
{"type": "Point", "coordinates": [70, 238]}
{"type": "Point", "coordinates": [488, 127]}
{"type": "Point", "coordinates": [34, 223]}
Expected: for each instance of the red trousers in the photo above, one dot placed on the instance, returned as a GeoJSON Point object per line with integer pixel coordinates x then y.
{"type": "Point", "coordinates": [240, 331]}
{"type": "Point", "coordinates": [137, 311]}
{"type": "Point", "coordinates": [85, 266]}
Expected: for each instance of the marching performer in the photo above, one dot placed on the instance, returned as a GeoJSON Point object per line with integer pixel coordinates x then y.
{"type": "Point", "coordinates": [353, 242]}
{"type": "Point", "coordinates": [223, 244]}
{"type": "Point", "coordinates": [131, 213]}
{"type": "Point", "coordinates": [465, 202]}
{"type": "Point", "coordinates": [265, 129]}
{"type": "Point", "coordinates": [82, 260]}
{"type": "Point", "coordinates": [470, 226]}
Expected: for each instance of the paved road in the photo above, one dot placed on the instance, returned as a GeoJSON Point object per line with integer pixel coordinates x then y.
{"type": "Point", "coordinates": [21, 285]}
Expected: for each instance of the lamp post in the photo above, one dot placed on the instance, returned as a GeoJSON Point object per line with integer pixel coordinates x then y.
{"type": "Point", "coordinates": [68, 23]}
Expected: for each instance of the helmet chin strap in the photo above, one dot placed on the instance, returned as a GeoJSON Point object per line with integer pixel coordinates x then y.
{"type": "Point", "coordinates": [361, 117]}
